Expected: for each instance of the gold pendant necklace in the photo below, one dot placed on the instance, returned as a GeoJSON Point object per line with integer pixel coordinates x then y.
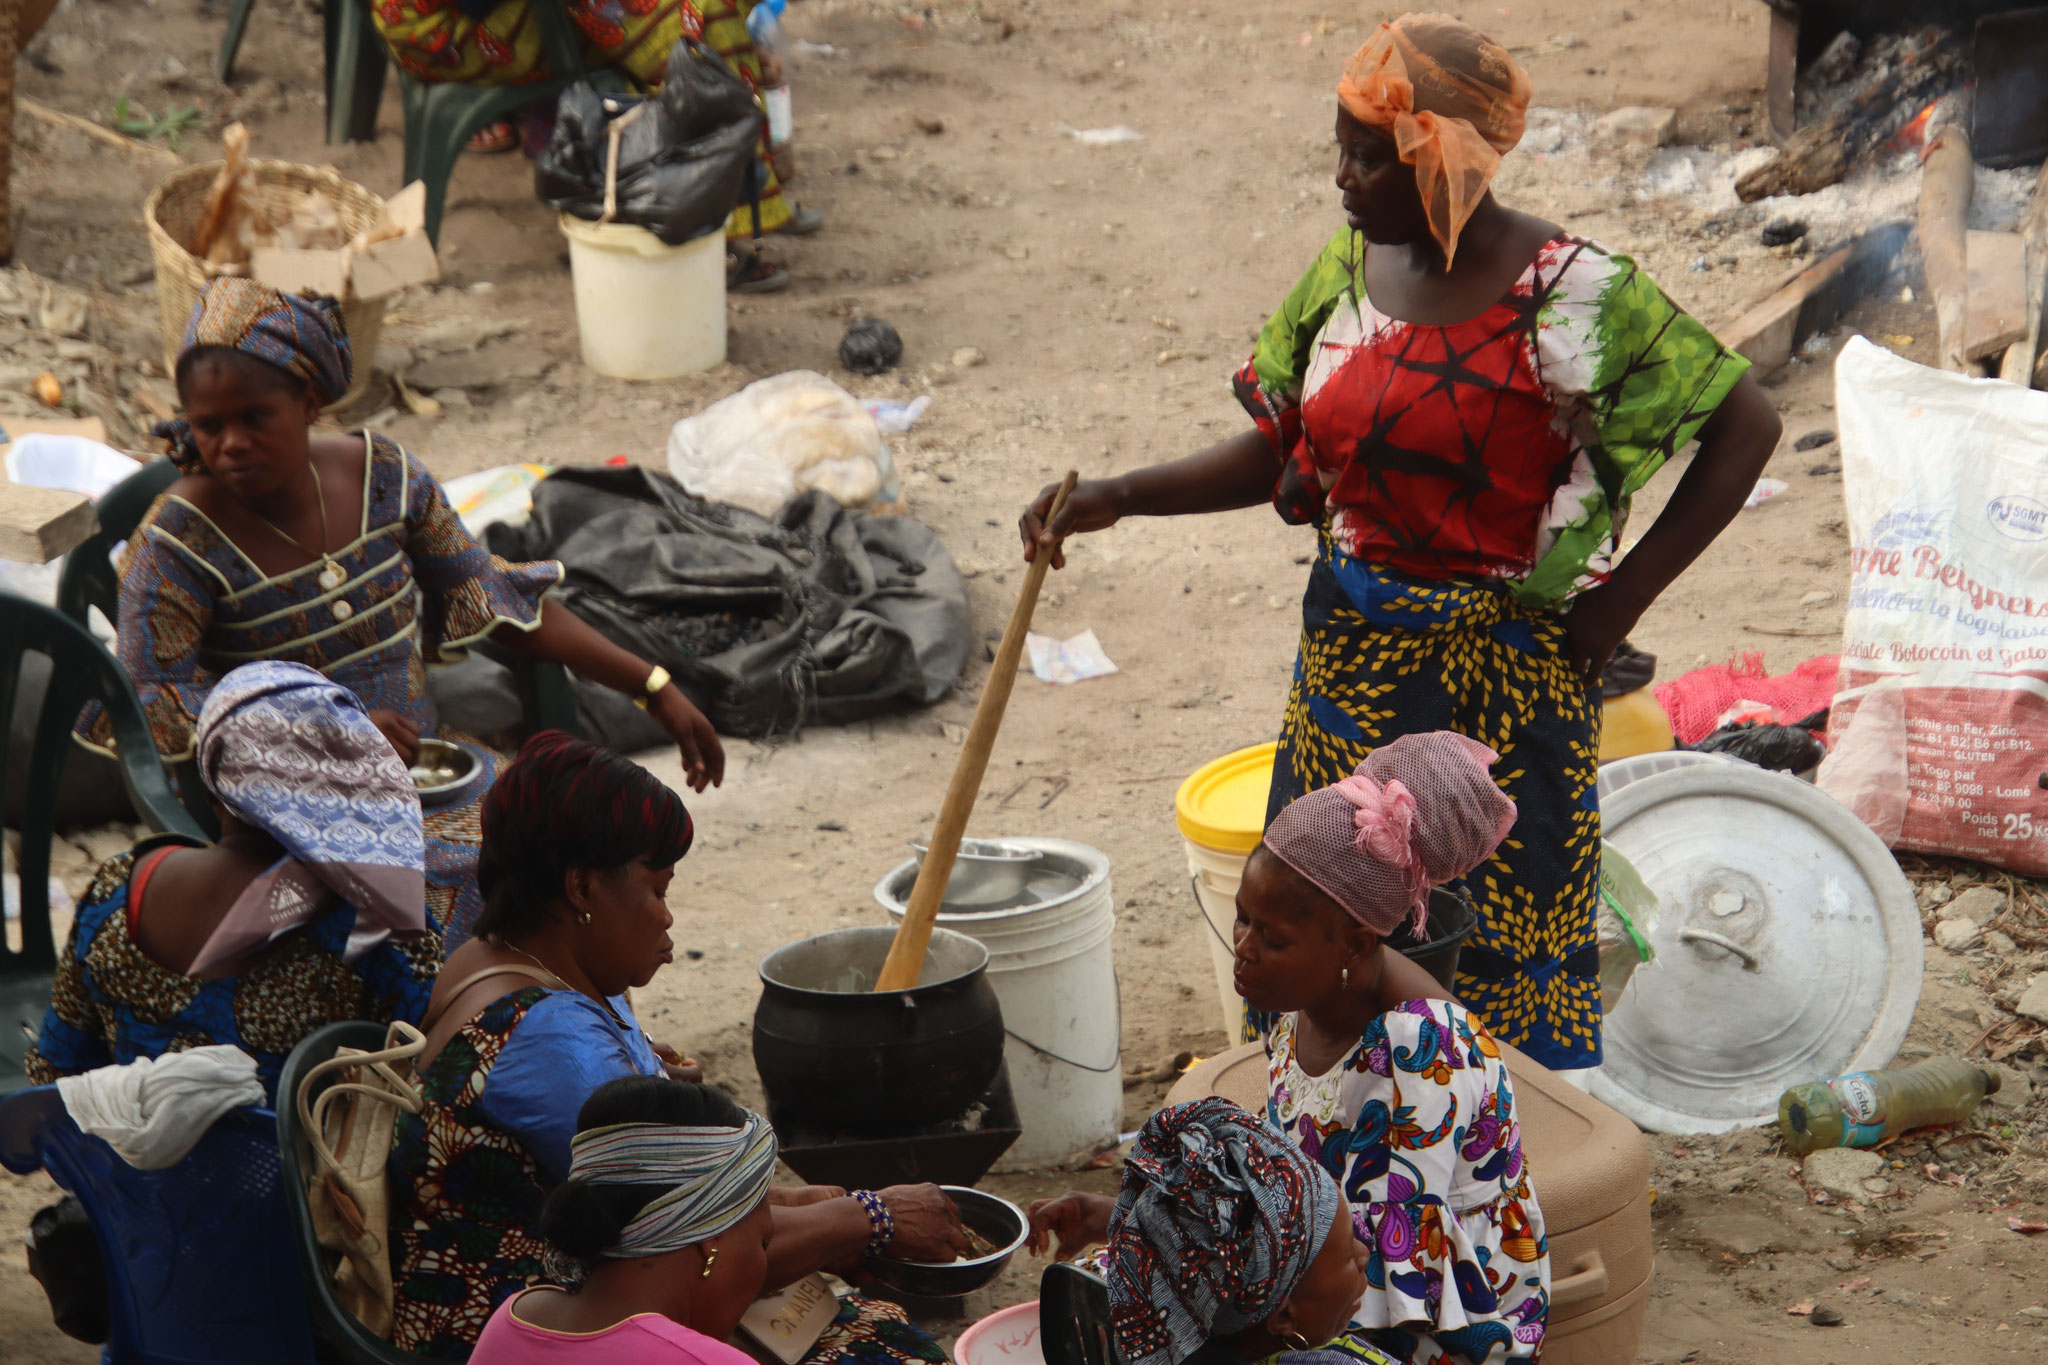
{"type": "Point", "coordinates": [331, 574]}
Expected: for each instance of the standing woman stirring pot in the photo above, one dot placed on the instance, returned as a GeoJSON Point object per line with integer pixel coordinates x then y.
{"type": "Point", "coordinates": [1462, 399]}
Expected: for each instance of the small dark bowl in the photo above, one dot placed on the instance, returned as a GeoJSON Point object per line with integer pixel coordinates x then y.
{"type": "Point", "coordinates": [1001, 1223]}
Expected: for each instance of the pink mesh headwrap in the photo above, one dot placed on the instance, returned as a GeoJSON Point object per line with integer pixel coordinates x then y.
{"type": "Point", "coordinates": [1419, 812]}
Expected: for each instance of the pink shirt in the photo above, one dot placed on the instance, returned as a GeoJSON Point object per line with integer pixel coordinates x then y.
{"type": "Point", "coordinates": [643, 1339]}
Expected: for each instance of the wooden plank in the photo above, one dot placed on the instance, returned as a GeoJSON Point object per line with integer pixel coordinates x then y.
{"type": "Point", "coordinates": [2023, 359]}
{"type": "Point", "coordinates": [1997, 312]}
{"type": "Point", "coordinates": [1772, 328]}
{"type": "Point", "coordinates": [1780, 74]}
{"type": "Point", "coordinates": [39, 524]}
{"type": "Point", "coordinates": [1947, 181]}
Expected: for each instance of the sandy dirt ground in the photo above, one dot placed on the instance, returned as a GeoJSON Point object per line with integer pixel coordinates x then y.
{"type": "Point", "coordinates": [1110, 291]}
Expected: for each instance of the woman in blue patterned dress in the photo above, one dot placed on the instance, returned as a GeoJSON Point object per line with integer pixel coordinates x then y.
{"type": "Point", "coordinates": [319, 822]}
{"type": "Point", "coordinates": [337, 551]}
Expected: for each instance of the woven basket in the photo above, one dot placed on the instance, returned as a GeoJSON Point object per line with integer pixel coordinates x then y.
{"type": "Point", "coordinates": [173, 213]}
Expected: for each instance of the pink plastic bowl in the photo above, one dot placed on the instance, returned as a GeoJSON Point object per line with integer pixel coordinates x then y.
{"type": "Point", "coordinates": [1009, 1337]}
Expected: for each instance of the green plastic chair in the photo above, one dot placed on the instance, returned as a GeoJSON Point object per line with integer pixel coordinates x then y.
{"type": "Point", "coordinates": [338, 1338]}
{"type": "Point", "coordinates": [88, 580]}
{"type": "Point", "coordinates": [441, 117]}
{"type": "Point", "coordinates": [355, 65]}
{"type": "Point", "coordinates": [81, 670]}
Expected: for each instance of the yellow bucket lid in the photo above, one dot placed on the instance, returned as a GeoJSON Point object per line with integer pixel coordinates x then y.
{"type": "Point", "coordinates": [1222, 804]}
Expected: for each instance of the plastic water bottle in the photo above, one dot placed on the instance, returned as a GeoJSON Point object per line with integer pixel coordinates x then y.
{"type": "Point", "coordinates": [765, 26]}
{"type": "Point", "coordinates": [1867, 1107]}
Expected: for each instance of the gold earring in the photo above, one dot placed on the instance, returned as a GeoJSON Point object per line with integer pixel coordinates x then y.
{"type": "Point", "coordinates": [583, 918]}
{"type": "Point", "coordinates": [711, 1259]}
{"type": "Point", "coordinates": [1297, 1341]}
{"type": "Point", "coordinates": [1347, 986]}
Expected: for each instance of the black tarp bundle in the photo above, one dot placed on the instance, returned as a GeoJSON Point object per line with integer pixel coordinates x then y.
{"type": "Point", "coordinates": [819, 615]}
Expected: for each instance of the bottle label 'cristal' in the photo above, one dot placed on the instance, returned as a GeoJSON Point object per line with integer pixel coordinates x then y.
{"type": "Point", "coordinates": [1862, 1109]}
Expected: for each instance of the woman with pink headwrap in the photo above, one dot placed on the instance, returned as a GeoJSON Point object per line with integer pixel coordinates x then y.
{"type": "Point", "coordinates": [1462, 399]}
{"type": "Point", "coordinates": [1398, 1092]}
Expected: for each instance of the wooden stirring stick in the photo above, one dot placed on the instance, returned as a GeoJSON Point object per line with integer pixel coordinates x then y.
{"type": "Point", "coordinates": [906, 955]}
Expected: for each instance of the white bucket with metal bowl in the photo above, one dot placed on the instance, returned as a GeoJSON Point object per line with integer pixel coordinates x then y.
{"type": "Point", "coordinates": [644, 309]}
{"type": "Point", "coordinates": [1053, 967]}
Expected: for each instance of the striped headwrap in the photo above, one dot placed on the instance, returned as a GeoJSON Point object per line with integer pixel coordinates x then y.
{"type": "Point", "coordinates": [1219, 1217]}
{"type": "Point", "coordinates": [302, 336]}
{"type": "Point", "coordinates": [715, 1177]}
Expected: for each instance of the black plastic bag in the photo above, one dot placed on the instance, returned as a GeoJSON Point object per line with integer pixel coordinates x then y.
{"type": "Point", "coordinates": [683, 159]}
{"type": "Point", "coordinates": [1630, 670]}
{"type": "Point", "coordinates": [64, 1257]}
{"type": "Point", "coordinates": [1782, 748]}
{"type": "Point", "coordinates": [817, 615]}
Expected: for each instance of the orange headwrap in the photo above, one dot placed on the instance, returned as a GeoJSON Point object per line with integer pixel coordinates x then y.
{"type": "Point", "coordinates": [1452, 99]}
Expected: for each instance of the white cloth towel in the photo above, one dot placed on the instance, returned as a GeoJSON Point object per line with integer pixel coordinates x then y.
{"type": "Point", "coordinates": [152, 1111]}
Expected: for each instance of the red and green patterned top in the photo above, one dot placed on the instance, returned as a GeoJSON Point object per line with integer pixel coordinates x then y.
{"type": "Point", "coordinates": [1505, 447]}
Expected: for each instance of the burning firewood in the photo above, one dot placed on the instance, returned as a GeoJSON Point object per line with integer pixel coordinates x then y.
{"type": "Point", "coordinates": [1891, 82]}
{"type": "Point", "coordinates": [1812, 159]}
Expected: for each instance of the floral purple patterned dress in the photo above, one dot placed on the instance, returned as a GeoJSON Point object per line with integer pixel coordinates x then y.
{"type": "Point", "coordinates": [416, 589]}
{"type": "Point", "coordinates": [1417, 1123]}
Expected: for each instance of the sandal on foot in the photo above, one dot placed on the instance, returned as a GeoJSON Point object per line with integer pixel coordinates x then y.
{"type": "Point", "coordinates": [752, 274]}
{"type": "Point", "coordinates": [804, 222]}
{"type": "Point", "coordinates": [493, 138]}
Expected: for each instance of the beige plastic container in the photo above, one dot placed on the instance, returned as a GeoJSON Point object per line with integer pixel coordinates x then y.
{"type": "Point", "coordinates": [646, 310]}
{"type": "Point", "coordinates": [1591, 1169]}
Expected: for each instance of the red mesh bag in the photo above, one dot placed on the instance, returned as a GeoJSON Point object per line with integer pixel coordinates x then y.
{"type": "Point", "coordinates": [1417, 813]}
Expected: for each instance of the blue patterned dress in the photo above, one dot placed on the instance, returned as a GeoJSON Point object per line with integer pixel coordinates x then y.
{"type": "Point", "coordinates": [417, 588]}
{"type": "Point", "coordinates": [111, 1004]}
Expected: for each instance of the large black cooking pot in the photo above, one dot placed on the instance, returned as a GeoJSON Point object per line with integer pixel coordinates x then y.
{"type": "Point", "coordinates": [832, 1052]}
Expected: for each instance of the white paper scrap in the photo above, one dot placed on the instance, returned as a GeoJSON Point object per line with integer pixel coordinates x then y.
{"type": "Point", "coordinates": [1068, 661]}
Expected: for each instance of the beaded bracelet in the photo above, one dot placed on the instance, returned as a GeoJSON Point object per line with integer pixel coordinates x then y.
{"type": "Point", "coordinates": [883, 1221]}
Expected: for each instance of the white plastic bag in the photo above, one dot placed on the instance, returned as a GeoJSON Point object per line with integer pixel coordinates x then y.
{"type": "Point", "coordinates": [1936, 729]}
{"type": "Point", "coordinates": [776, 438]}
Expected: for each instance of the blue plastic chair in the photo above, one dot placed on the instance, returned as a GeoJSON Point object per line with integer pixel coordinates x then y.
{"type": "Point", "coordinates": [201, 1266]}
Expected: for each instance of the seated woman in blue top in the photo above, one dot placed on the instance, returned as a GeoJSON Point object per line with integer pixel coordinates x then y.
{"type": "Point", "coordinates": [579, 849]}
{"type": "Point", "coordinates": [320, 848]}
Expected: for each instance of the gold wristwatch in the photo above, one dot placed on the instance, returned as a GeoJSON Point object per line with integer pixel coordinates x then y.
{"type": "Point", "coordinates": [656, 680]}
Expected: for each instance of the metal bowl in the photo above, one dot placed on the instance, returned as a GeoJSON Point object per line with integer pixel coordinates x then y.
{"type": "Point", "coordinates": [985, 871]}
{"type": "Point", "coordinates": [1001, 1224]}
{"type": "Point", "coordinates": [442, 767]}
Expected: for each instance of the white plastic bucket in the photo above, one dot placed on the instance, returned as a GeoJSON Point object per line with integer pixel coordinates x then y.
{"type": "Point", "coordinates": [1217, 874]}
{"type": "Point", "coordinates": [1054, 970]}
{"type": "Point", "coordinates": [646, 310]}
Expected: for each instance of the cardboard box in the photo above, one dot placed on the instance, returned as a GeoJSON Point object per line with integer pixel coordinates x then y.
{"type": "Point", "coordinates": [390, 257]}
{"type": "Point", "coordinates": [302, 272]}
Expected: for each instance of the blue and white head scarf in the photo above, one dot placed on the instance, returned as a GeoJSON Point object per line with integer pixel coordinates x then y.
{"type": "Point", "coordinates": [715, 1177]}
{"type": "Point", "coordinates": [296, 756]}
